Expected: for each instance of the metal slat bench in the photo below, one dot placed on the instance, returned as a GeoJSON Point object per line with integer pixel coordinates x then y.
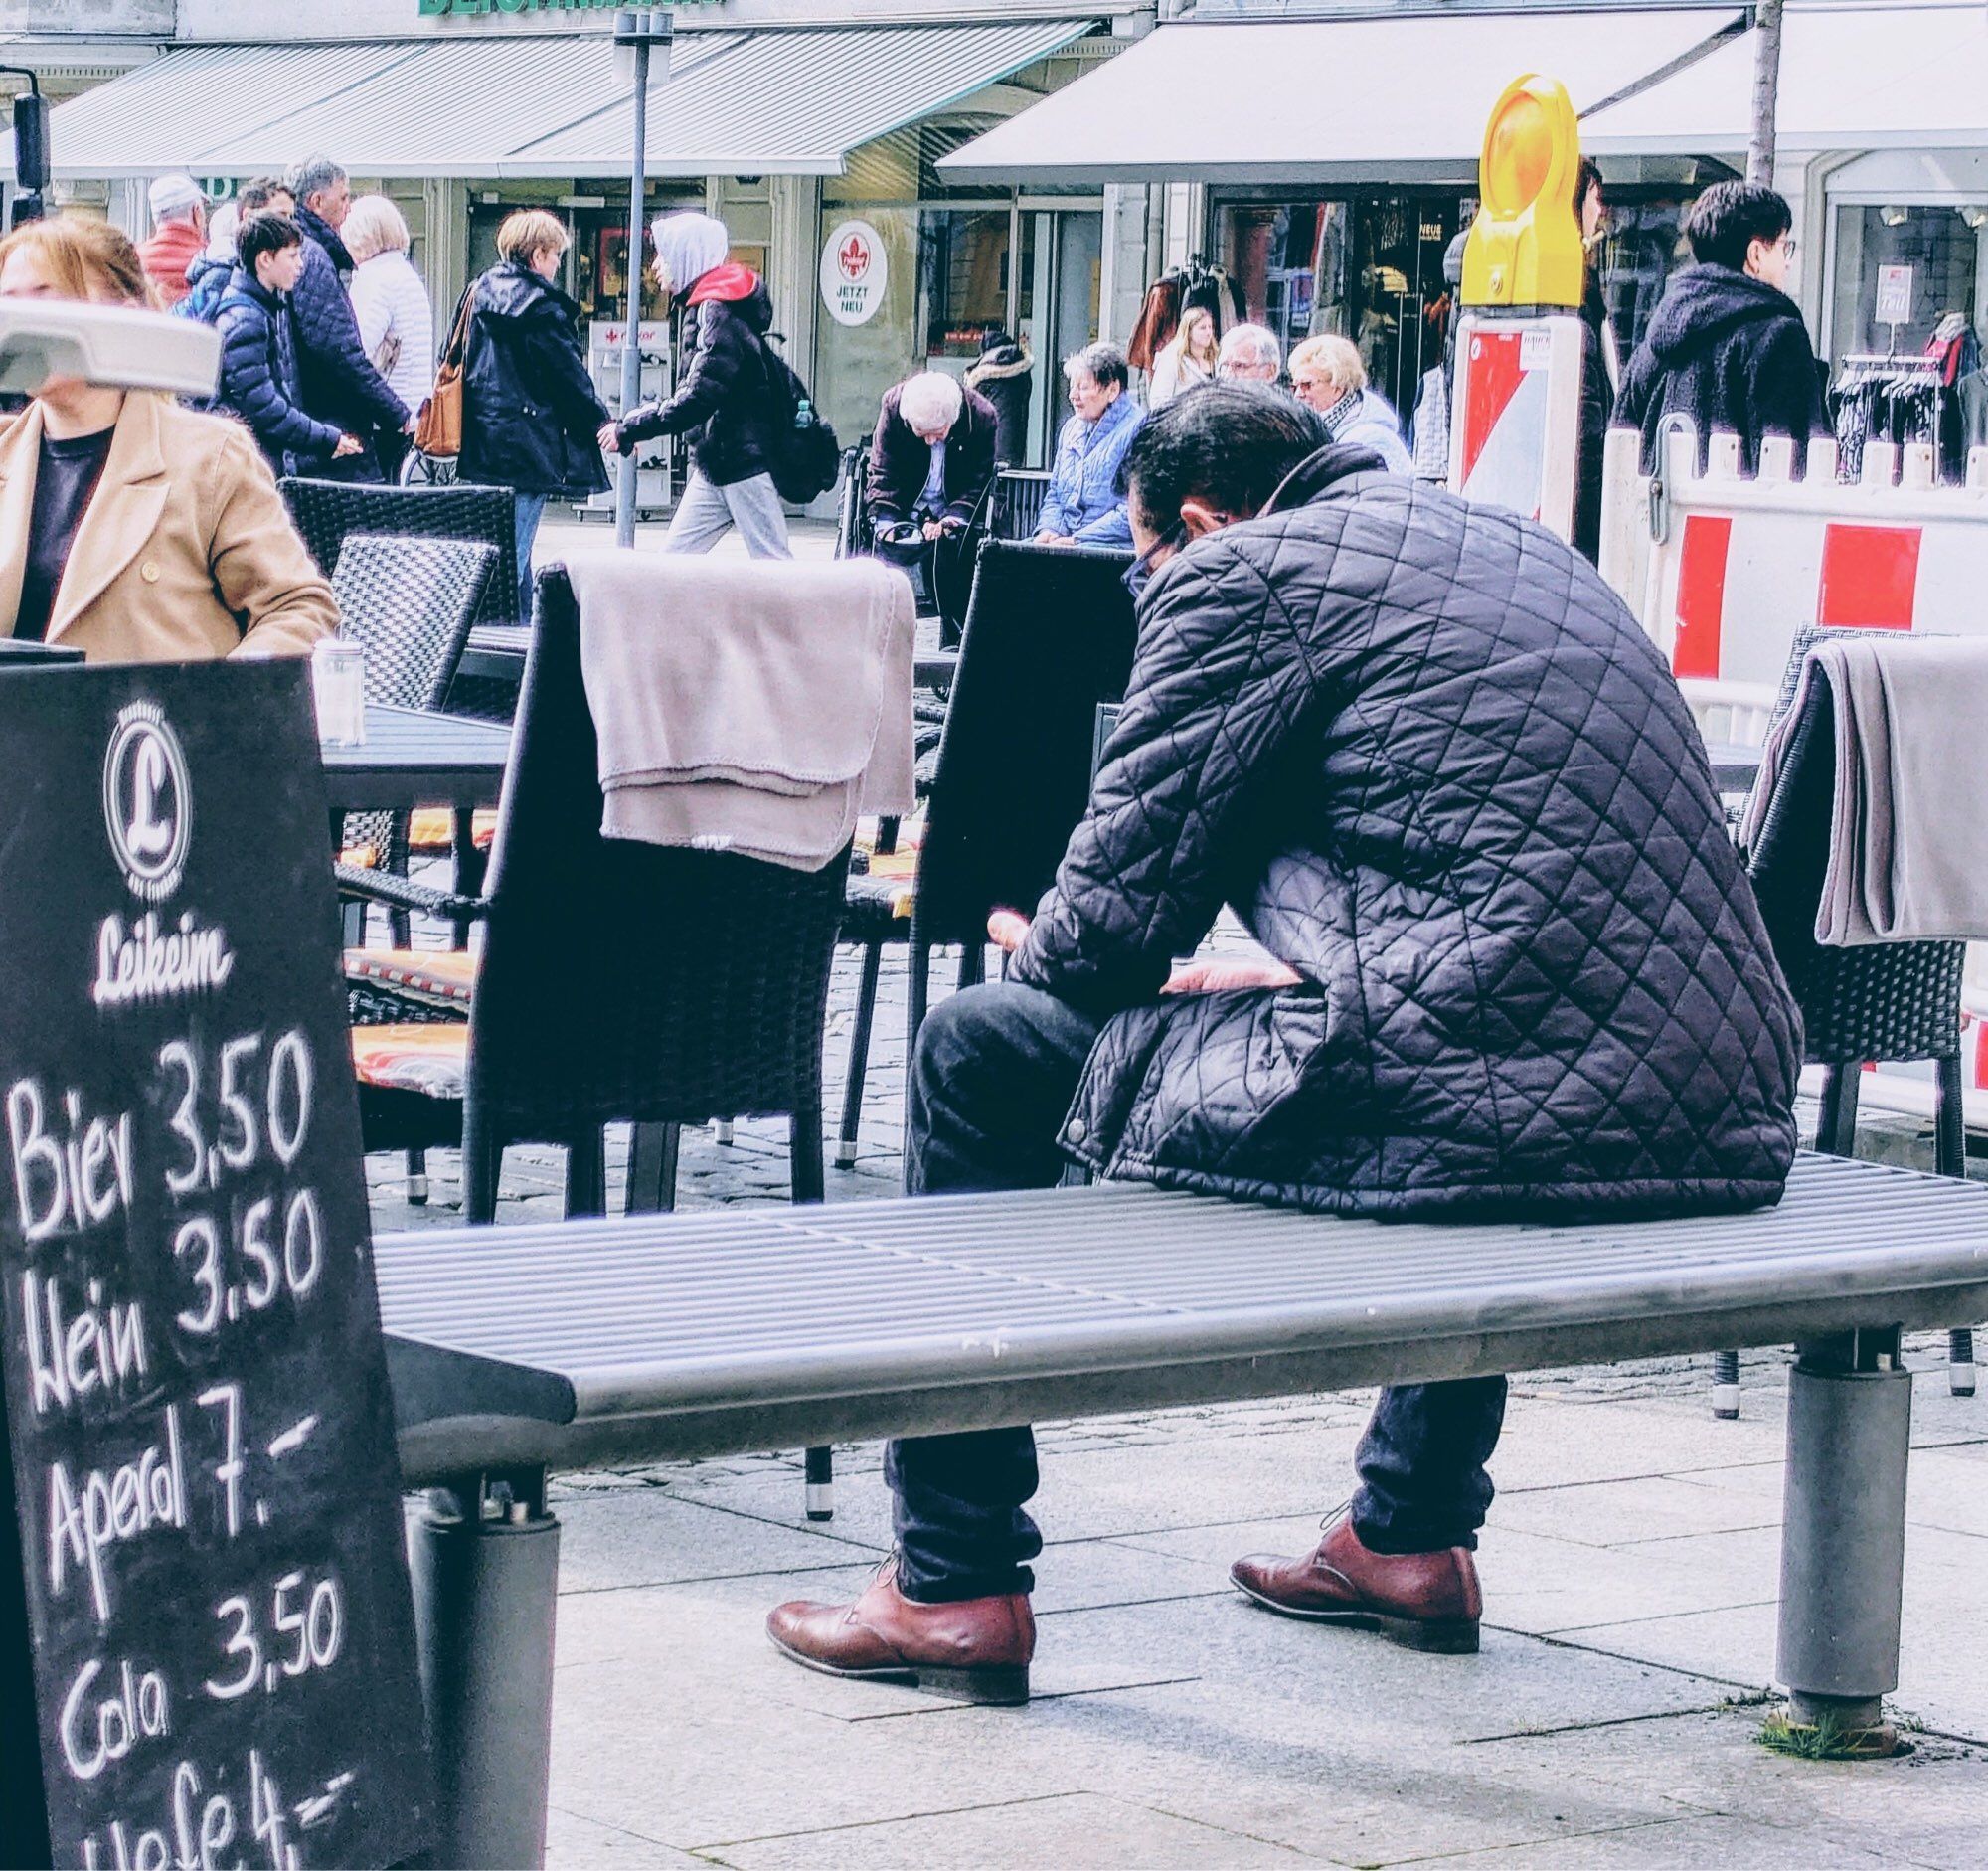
{"type": "Point", "coordinates": [518, 1350]}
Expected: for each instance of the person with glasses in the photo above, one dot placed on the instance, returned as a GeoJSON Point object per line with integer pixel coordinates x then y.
{"type": "Point", "coordinates": [1510, 969]}
{"type": "Point", "coordinates": [1328, 376]}
{"type": "Point", "coordinates": [1727, 347]}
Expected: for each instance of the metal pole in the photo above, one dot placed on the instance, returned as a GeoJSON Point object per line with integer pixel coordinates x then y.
{"type": "Point", "coordinates": [485, 1572]}
{"type": "Point", "coordinates": [631, 347]}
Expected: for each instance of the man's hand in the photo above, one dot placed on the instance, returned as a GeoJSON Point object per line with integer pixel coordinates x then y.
{"type": "Point", "coordinates": [348, 445]}
{"type": "Point", "coordinates": [1215, 977]}
{"type": "Point", "coordinates": [609, 438]}
{"type": "Point", "coordinates": [933, 529]}
{"type": "Point", "coordinates": [1007, 930]}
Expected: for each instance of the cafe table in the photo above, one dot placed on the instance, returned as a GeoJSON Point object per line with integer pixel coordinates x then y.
{"type": "Point", "coordinates": [412, 757]}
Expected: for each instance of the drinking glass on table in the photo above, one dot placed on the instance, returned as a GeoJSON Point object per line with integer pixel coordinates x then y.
{"type": "Point", "coordinates": [338, 689]}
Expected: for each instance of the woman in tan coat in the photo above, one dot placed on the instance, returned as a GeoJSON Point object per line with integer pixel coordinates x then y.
{"type": "Point", "coordinates": [130, 528]}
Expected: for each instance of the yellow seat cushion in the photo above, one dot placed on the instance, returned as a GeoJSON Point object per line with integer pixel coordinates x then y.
{"type": "Point", "coordinates": [431, 828]}
{"type": "Point", "coordinates": [430, 1058]}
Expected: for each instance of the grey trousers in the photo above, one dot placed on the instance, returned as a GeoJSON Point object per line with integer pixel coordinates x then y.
{"type": "Point", "coordinates": [705, 513]}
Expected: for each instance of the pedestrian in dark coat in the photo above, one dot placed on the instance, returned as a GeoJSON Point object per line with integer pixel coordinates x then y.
{"type": "Point", "coordinates": [531, 416]}
{"type": "Point", "coordinates": [340, 382]}
{"type": "Point", "coordinates": [725, 401]}
{"type": "Point", "coordinates": [1433, 764]}
{"type": "Point", "coordinates": [258, 366]}
{"type": "Point", "coordinates": [1727, 347]}
{"type": "Point", "coordinates": [915, 412]}
{"type": "Point", "coordinates": [1005, 376]}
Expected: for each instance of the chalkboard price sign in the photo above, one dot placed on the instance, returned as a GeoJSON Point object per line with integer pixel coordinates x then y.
{"type": "Point", "coordinates": [206, 1631]}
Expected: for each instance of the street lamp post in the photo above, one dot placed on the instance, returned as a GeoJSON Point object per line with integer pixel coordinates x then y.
{"type": "Point", "coordinates": [642, 33]}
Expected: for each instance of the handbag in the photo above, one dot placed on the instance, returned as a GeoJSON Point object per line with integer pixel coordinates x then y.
{"type": "Point", "coordinates": [439, 427]}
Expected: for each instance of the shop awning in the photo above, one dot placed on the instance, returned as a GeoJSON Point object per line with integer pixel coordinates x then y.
{"type": "Point", "coordinates": [1323, 101]}
{"type": "Point", "coordinates": [771, 101]}
{"type": "Point", "coordinates": [1856, 77]}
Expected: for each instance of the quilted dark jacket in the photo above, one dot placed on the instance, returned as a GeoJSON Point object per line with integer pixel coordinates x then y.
{"type": "Point", "coordinates": [258, 379]}
{"type": "Point", "coordinates": [340, 383]}
{"type": "Point", "coordinates": [1433, 764]}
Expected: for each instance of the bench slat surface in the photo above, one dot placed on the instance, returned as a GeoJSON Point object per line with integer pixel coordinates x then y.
{"type": "Point", "coordinates": [737, 1311]}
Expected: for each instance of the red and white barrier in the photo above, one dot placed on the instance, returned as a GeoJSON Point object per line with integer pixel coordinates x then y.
{"type": "Point", "coordinates": [1514, 421]}
{"type": "Point", "coordinates": [1722, 571]}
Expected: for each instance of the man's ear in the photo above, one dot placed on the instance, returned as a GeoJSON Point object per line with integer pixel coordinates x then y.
{"type": "Point", "coordinates": [1200, 519]}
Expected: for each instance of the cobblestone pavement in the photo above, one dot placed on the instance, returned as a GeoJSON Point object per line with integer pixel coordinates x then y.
{"type": "Point", "coordinates": [1630, 1568]}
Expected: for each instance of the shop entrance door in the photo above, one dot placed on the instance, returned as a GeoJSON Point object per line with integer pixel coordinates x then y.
{"type": "Point", "coordinates": [1063, 264]}
{"type": "Point", "coordinates": [1402, 302]}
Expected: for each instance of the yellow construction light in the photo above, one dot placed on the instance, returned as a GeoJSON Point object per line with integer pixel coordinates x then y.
{"type": "Point", "coordinates": [1525, 244]}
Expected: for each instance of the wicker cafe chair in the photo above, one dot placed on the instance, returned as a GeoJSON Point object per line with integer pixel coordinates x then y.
{"type": "Point", "coordinates": [326, 511]}
{"type": "Point", "coordinates": [1049, 635]}
{"type": "Point", "coordinates": [1892, 1002]}
{"type": "Point", "coordinates": [1018, 502]}
{"type": "Point", "coordinates": [619, 982]}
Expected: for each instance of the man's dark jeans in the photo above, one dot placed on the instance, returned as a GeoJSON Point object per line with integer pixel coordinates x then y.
{"type": "Point", "coordinates": [995, 1072]}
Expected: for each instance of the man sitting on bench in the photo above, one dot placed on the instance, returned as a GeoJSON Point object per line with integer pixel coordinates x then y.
{"type": "Point", "coordinates": [1435, 767]}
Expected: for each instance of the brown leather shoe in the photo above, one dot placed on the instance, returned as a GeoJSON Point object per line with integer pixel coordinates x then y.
{"type": "Point", "coordinates": [1427, 1601]}
{"type": "Point", "coordinates": [973, 1650]}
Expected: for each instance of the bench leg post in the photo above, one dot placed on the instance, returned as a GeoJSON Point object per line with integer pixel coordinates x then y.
{"type": "Point", "coordinates": [484, 1557]}
{"type": "Point", "coordinates": [1842, 1535]}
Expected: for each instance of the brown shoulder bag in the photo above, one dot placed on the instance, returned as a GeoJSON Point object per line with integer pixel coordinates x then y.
{"type": "Point", "coordinates": [438, 428]}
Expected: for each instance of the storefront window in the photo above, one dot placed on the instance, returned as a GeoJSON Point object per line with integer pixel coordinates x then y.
{"type": "Point", "coordinates": [1644, 247]}
{"type": "Point", "coordinates": [1931, 261]}
{"type": "Point", "coordinates": [1369, 268]}
{"type": "Point", "coordinates": [964, 256]}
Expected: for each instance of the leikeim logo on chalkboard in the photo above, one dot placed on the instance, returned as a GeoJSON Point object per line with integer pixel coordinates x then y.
{"type": "Point", "coordinates": [147, 801]}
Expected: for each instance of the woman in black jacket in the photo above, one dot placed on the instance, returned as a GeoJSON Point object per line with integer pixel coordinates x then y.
{"type": "Point", "coordinates": [530, 411]}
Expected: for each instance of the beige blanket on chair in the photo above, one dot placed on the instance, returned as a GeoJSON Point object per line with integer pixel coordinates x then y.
{"type": "Point", "coordinates": [1906, 858]}
{"type": "Point", "coordinates": [749, 706]}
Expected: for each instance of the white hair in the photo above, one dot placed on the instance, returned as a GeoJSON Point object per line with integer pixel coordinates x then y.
{"type": "Point", "coordinates": [1256, 342]}
{"type": "Point", "coordinates": [222, 230]}
{"type": "Point", "coordinates": [931, 399]}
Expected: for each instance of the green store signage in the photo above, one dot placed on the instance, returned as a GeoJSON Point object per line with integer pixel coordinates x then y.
{"type": "Point", "coordinates": [432, 9]}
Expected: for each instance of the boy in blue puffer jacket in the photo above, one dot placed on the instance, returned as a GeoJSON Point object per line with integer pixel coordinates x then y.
{"type": "Point", "coordinates": [258, 368]}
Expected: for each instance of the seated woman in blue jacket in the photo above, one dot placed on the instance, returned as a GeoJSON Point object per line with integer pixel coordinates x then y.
{"type": "Point", "coordinates": [1084, 506]}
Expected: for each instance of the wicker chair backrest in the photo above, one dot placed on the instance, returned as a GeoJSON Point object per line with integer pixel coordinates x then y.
{"type": "Point", "coordinates": [1018, 502]}
{"type": "Point", "coordinates": [326, 511]}
{"type": "Point", "coordinates": [1895, 1001]}
{"type": "Point", "coordinates": [408, 603]}
{"type": "Point", "coordinates": [625, 981]}
{"type": "Point", "coordinates": [1049, 635]}
{"type": "Point", "coordinates": [852, 518]}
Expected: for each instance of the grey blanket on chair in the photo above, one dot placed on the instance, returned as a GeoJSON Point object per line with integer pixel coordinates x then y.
{"type": "Point", "coordinates": [756, 707]}
{"type": "Point", "coordinates": [1906, 858]}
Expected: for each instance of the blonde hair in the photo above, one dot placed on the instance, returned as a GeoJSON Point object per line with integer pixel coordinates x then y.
{"type": "Point", "coordinates": [1178, 342]}
{"type": "Point", "coordinates": [86, 258]}
{"type": "Point", "coordinates": [1335, 359]}
{"type": "Point", "coordinates": [375, 226]}
{"type": "Point", "coordinates": [530, 231]}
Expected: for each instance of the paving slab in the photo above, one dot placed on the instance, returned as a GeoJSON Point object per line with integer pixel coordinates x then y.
{"type": "Point", "coordinates": [1928, 1807]}
{"type": "Point", "coordinates": [1627, 1513]}
{"type": "Point", "coordinates": [640, 1536]}
{"type": "Point", "coordinates": [1088, 1829]}
{"type": "Point", "coordinates": [1663, 1846]}
{"type": "Point", "coordinates": [572, 1840]}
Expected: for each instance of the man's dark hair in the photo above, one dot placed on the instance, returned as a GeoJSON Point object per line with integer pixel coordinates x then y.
{"type": "Point", "coordinates": [1231, 444]}
{"type": "Point", "coordinates": [1585, 178]}
{"type": "Point", "coordinates": [1729, 217]}
{"type": "Point", "coordinates": [253, 197]}
{"type": "Point", "coordinates": [262, 234]}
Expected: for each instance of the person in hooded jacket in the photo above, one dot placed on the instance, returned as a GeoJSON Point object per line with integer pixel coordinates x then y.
{"type": "Point", "coordinates": [725, 399]}
{"type": "Point", "coordinates": [1370, 718]}
{"type": "Point", "coordinates": [530, 413]}
{"type": "Point", "coordinates": [1005, 375]}
{"type": "Point", "coordinates": [208, 276]}
{"type": "Point", "coordinates": [340, 383]}
{"type": "Point", "coordinates": [1727, 347]}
